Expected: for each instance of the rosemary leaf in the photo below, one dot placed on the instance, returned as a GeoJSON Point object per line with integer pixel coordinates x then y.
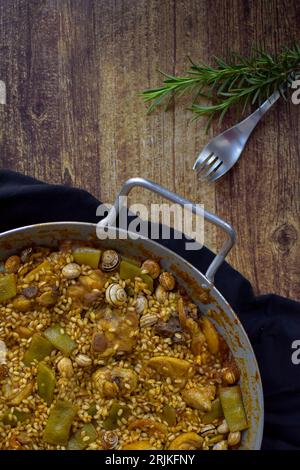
{"type": "Point", "coordinates": [237, 83]}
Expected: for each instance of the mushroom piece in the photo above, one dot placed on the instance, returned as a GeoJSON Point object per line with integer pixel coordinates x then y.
{"type": "Point", "coordinates": [88, 289]}
{"type": "Point", "coordinates": [116, 332]}
{"type": "Point", "coordinates": [211, 335]}
{"type": "Point", "coordinates": [48, 298]}
{"type": "Point", "coordinates": [95, 280]}
{"type": "Point", "coordinates": [110, 260]}
{"type": "Point", "coordinates": [99, 342]}
{"type": "Point", "coordinates": [200, 398]}
{"type": "Point", "coordinates": [115, 382]}
{"type": "Point", "coordinates": [115, 295]}
{"type": "Point", "coordinates": [30, 292]}
{"type": "Point", "coordinates": [21, 395]}
{"type": "Point", "coordinates": [192, 326]}
{"type": "Point", "coordinates": [198, 338]}
{"type": "Point", "coordinates": [179, 370]}
{"type": "Point", "coordinates": [22, 304]}
{"type": "Point", "coordinates": [187, 441]}
{"type": "Point", "coordinates": [24, 331]}
{"type": "Point", "coordinates": [170, 328]}
{"type": "Point", "coordinates": [149, 426]}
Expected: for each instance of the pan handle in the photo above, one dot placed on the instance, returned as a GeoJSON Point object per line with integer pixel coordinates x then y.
{"type": "Point", "coordinates": [110, 219]}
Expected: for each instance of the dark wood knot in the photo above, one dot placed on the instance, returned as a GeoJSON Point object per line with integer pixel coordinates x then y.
{"type": "Point", "coordinates": [285, 237]}
{"type": "Point", "coordinates": [38, 110]}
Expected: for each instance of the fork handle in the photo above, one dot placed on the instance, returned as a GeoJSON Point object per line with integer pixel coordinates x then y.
{"type": "Point", "coordinates": [250, 122]}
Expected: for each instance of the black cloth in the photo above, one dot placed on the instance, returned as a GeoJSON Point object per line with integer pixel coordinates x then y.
{"type": "Point", "coordinates": [271, 322]}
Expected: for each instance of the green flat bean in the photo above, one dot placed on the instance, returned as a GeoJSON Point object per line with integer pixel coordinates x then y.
{"type": "Point", "coordinates": [39, 348]}
{"type": "Point", "coordinates": [59, 423]}
{"type": "Point", "coordinates": [59, 339]}
{"type": "Point", "coordinates": [45, 382]}
{"type": "Point", "coordinates": [83, 437]}
{"type": "Point", "coordinates": [233, 408]}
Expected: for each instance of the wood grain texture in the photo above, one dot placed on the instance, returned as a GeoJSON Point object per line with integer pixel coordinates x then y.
{"type": "Point", "coordinates": [261, 196]}
{"type": "Point", "coordinates": [73, 70]}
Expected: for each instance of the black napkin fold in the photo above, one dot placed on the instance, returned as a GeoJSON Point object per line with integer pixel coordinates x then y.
{"type": "Point", "coordinates": [272, 322]}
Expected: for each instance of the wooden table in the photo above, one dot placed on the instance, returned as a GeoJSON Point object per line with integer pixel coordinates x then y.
{"type": "Point", "coordinates": [73, 70]}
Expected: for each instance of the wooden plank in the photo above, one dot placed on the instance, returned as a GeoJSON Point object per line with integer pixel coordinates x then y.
{"type": "Point", "coordinates": [261, 195]}
{"type": "Point", "coordinates": [28, 65]}
{"type": "Point", "coordinates": [79, 95]}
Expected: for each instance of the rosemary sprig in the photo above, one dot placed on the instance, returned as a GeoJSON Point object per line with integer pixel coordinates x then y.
{"type": "Point", "coordinates": [238, 83]}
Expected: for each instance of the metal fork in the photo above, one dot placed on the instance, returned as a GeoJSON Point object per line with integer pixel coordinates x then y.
{"type": "Point", "coordinates": [223, 151]}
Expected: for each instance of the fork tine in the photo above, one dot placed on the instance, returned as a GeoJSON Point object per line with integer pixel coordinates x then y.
{"type": "Point", "coordinates": [204, 165]}
{"type": "Point", "coordinates": [203, 172]}
{"type": "Point", "coordinates": [215, 165]}
{"type": "Point", "coordinates": [202, 157]}
{"type": "Point", "coordinates": [219, 171]}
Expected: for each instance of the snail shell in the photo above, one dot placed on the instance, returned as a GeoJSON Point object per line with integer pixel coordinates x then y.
{"type": "Point", "coordinates": [167, 281]}
{"type": "Point", "coordinates": [223, 427]}
{"type": "Point", "coordinates": [222, 445]}
{"type": "Point", "coordinates": [109, 440]}
{"type": "Point", "coordinates": [161, 294]}
{"type": "Point", "coordinates": [65, 367]}
{"type": "Point", "coordinates": [141, 305]}
{"type": "Point", "coordinates": [83, 360]}
{"type": "Point", "coordinates": [151, 267]}
{"type": "Point", "coordinates": [234, 438]}
{"type": "Point", "coordinates": [3, 352]}
{"type": "Point", "coordinates": [148, 320]}
{"type": "Point", "coordinates": [71, 271]}
{"type": "Point", "coordinates": [115, 295]}
{"type": "Point", "coordinates": [110, 260]}
{"type": "Point", "coordinates": [208, 430]}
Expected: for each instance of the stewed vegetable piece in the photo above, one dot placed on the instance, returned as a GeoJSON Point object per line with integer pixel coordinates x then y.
{"type": "Point", "coordinates": [59, 423]}
{"type": "Point", "coordinates": [87, 255]}
{"type": "Point", "coordinates": [39, 348]}
{"type": "Point", "coordinates": [45, 382]}
{"type": "Point", "coordinates": [216, 412]}
{"type": "Point", "coordinates": [8, 287]}
{"type": "Point", "coordinates": [116, 413]}
{"type": "Point", "coordinates": [129, 270]}
{"type": "Point", "coordinates": [233, 408]}
{"type": "Point", "coordinates": [83, 437]}
{"type": "Point", "coordinates": [60, 339]}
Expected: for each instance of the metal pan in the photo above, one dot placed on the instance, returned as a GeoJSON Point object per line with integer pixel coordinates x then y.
{"type": "Point", "coordinates": [188, 276]}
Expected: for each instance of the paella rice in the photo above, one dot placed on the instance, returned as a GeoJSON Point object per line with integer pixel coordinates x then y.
{"type": "Point", "coordinates": [98, 351]}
